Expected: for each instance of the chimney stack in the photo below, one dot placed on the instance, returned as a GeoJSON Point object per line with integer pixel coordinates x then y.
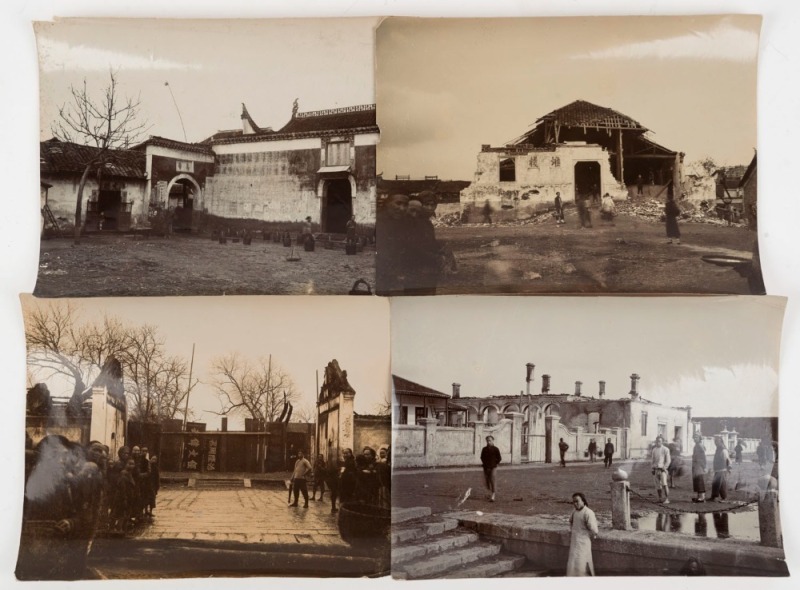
{"type": "Point", "coordinates": [634, 392]}
{"type": "Point", "coordinates": [602, 391]}
{"type": "Point", "coordinates": [578, 387]}
{"type": "Point", "coordinates": [545, 384]}
{"type": "Point", "coordinates": [456, 390]}
{"type": "Point", "coordinates": [528, 377]}
{"type": "Point", "coordinates": [224, 426]}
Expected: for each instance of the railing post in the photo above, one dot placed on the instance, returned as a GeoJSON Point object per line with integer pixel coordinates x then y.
{"type": "Point", "coordinates": [620, 501]}
{"type": "Point", "coordinates": [769, 522]}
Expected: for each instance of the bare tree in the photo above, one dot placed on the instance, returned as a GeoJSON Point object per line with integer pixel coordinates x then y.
{"type": "Point", "coordinates": [384, 407]}
{"type": "Point", "coordinates": [107, 124]}
{"type": "Point", "coordinates": [156, 383]}
{"type": "Point", "coordinates": [305, 414]}
{"type": "Point", "coordinates": [257, 389]}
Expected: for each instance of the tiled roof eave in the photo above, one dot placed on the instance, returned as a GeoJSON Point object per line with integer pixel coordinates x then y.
{"type": "Point", "coordinates": [298, 135]}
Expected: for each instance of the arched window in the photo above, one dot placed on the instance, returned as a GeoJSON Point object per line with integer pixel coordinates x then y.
{"type": "Point", "coordinates": [508, 170]}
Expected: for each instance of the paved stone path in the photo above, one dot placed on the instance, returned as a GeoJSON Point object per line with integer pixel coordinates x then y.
{"type": "Point", "coordinates": [246, 515]}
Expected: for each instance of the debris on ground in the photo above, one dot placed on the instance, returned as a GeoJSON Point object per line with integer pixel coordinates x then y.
{"type": "Point", "coordinates": [653, 210]}
{"type": "Point", "coordinates": [531, 276]}
{"type": "Point", "coordinates": [454, 219]}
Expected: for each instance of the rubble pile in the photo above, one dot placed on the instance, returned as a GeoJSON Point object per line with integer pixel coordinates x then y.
{"type": "Point", "coordinates": [653, 210]}
{"type": "Point", "coordinates": [454, 219]}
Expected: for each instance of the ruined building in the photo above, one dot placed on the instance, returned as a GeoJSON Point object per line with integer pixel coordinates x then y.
{"type": "Point", "coordinates": [579, 149]}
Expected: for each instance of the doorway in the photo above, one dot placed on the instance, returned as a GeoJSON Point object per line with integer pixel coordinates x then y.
{"type": "Point", "coordinates": [181, 201]}
{"type": "Point", "coordinates": [337, 208]}
{"type": "Point", "coordinates": [109, 204]}
{"type": "Point", "coordinates": [587, 180]}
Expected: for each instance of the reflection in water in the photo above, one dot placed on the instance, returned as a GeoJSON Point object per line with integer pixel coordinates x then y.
{"type": "Point", "coordinates": [723, 525]}
{"type": "Point", "coordinates": [701, 526]}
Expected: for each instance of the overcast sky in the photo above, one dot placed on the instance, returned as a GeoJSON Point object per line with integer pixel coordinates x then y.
{"type": "Point", "coordinates": [212, 68]}
{"type": "Point", "coordinates": [717, 354]}
{"type": "Point", "coordinates": [303, 334]}
{"type": "Point", "coordinates": [447, 86]}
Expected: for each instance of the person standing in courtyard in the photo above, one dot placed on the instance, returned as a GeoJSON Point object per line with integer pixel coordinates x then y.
{"type": "Point", "coordinates": [737, 450]}
{"type": "Point", "coordinates": [487, 212]}
{"type": "Point", "coordinates": [301, 469]}
{"type": "Point", "coordinates": [319, 478]}
{"type": "Point", "coordinates": [699, 469]}
{"type": "Point", "coordinates": [583, 528]}
{"type": "Point", "coordinates": [562, 451]}
{"type": "Point", "coordinates": [559, 207]}
{"type": "Point", "coordinates": [659, 462]}
{"type": "Point", "coordinates": [490, 458]}
{"type": "Point", "coordinates": [722, 467]}
{"type": "Point", "coordinates": [608, 453]}
{"type": "Point", "coordinates": [592, 450]}
{"type": "Point", "coordinates": [671, 213]}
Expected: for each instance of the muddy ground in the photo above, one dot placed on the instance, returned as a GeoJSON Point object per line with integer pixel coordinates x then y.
{"type": "Point", "coordinates": [629, 255]}
{"type": "Point", "coordinates": [119, 265]}
{"type": "Point", "coordinates": [540, 489]}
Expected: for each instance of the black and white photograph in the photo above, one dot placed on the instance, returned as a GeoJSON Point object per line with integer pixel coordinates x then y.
{"type": "Point", "coordinates": [183, 157]}
{"type": "Point", "coordinates": [158, 446]}
{"type": "Point", "coordinates": [568, 155]}
{"type": "Point", "coordinates": [549, 437]}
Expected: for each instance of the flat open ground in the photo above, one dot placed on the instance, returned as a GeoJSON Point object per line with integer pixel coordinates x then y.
{"type": "Point", "coordinates": [629, 255]}
{"type": "Point", "coordinates": [120, 265]}
{"type": "Point", "coordinates": [546, 489]}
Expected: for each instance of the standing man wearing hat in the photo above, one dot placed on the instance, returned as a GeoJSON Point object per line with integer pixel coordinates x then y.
{"type": "Point", "coordinates": [490, 458]}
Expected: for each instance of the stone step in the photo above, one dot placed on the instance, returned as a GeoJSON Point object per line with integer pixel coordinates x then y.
{"type": "Point", "coordinates": [219, 483]}
{"type": "Point", "coordinates": [417, 530]}
{"type": "Point", "coordinates": [406, 514]}
{"type": "Point", "coordinates": [439, 564]}
{"type": "Point", "coordinates": [497, 565]}
{"type": "Point", "coordinates": [428, 546]}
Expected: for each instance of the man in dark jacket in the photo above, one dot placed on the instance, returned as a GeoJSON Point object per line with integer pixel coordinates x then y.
{"type": "Point", "coordinates": [490, 458]}
{"type": "Point", "coordinates": [608, 453]}
{"type": "Point", "coordinates": [562, 451]}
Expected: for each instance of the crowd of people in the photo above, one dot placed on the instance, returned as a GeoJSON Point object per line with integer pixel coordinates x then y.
{"type": "Point", "coordinates": [363, 478]}
{"type": "Point", "coordinates": [409, 260]}
{"type": "Point", "coordinates": [71, 492]}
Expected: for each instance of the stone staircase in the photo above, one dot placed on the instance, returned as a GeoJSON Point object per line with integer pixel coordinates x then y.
{"type": "Point", "coordinates": [219, 483]}
{"type": "Point", "coordinates": [436, 547]}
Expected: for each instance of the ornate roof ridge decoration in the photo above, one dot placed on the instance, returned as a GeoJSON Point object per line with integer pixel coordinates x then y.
{"type": "Point", "coordinates": [338, 111]}
{"type": "Point", "coordinates": [246, 115]}
{"type": "Point", "coordinates": [277, 135]}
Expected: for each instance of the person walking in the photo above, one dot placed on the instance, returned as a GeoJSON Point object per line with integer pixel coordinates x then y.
{"type": "Point", "coordinates": [592, 450]}
{"type": "Point", "coordinates": [301, 468]}
{"type": "Point", "coordinates": [722, 467]}
{"type": "Point", "coordinates": [659, 462]}
{"type": "Point", "coordinates": [737, 450]}
{"type": "Point", "coordinates": [583, 528]}
{"type": "Point", "coordinates": [671, 214]}
{"type": "Point", "coordinates": [562, 451]}
{"type": "Point", "coordinates": [490, 458]}
{"type": "Point", "coordinates": [608, 453]}
{"type": "Point", "coordinates": [699, 469]}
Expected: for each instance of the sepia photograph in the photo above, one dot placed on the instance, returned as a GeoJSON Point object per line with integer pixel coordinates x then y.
{"type": "Point", "coordinates": [568, 155]}
{"type": "Point", "coordinates": [214, 157]}
{"type": "Point", "coordinates": [157, 446]}
{"type": "Point", "coordinates": [556, 437]}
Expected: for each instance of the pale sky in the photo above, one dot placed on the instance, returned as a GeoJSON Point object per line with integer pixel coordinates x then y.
{"type": "Point", "coordinates": [719, 355]}
{"type": "Point", "coordinates": [447, 86]}
{"type": "Point", "coordinates": [303, 334]}
{"type": "Point", "coordinates": [211, 66]}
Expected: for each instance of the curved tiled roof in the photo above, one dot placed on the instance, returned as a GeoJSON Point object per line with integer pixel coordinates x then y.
{"type": "Point", "coordinates": [346, 118]}
{"type": "Point", "coordinates": [65, 157]}
{"type": "Point", "coordinates": [175, 144]}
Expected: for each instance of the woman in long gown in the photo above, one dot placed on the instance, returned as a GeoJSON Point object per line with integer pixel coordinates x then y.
{"type": "Point", "coordinates": [583, 527]}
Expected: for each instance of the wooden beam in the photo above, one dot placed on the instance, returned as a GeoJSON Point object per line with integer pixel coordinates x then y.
{"type": "Point", "coordinates": [620, 168]}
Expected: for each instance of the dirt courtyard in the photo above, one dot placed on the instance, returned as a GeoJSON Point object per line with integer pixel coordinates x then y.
{"type": "Point", "coordinates": [630, 255]}
{"type": "Point", "coordinates": [123, 265]}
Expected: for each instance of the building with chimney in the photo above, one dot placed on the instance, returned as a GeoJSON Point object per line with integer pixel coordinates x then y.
{"type": "Point", "coordinates": [530, 425]}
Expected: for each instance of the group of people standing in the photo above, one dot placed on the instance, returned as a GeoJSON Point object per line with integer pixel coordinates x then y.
{"type": "Point", "coordinates": [72, 491]}
{"type": "Point", "coordinates": [409, 258]}
{"type": "Point", "coordinates": [365, 479]}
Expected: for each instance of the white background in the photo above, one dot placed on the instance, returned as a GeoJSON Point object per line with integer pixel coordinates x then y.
{"type": "Point", "coordinates": [779, 213]}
